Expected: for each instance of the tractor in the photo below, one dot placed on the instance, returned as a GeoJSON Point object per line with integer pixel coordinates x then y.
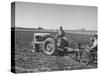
{"type": "Point", "coordinates": [47, 43]}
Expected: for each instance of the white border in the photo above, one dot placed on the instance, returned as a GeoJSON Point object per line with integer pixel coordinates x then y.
{"type": "Point", "coordinates": [5, 24]}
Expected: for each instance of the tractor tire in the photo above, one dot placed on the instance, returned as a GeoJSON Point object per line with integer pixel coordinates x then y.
{"type": "Point", "coordinates": [49, 46]}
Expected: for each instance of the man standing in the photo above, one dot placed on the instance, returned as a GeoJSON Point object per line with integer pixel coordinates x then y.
{"type": "Point", "coordinates": [93, 48]}
{"type": "Point", "coordinates": [94, 45]}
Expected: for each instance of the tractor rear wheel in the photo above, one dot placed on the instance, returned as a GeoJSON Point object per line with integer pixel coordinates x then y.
{"type": "Point", "coordinates": [49, 46]}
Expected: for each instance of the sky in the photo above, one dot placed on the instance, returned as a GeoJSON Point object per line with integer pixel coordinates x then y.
{"type": "Point", "coordinates": [52, 16]}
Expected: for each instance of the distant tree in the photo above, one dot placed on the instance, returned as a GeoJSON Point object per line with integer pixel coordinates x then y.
{"type": "Point", "coordinates": [40, 28]}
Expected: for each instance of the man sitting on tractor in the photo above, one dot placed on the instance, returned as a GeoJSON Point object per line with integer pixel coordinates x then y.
{"type": "Point", "coordinates": [62, 41]}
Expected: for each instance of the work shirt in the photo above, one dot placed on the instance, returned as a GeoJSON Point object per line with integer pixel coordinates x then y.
{"type": "Point", "coordinates": [94, 46]}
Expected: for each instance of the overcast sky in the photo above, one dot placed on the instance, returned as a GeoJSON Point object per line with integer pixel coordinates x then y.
{"type": "Point", "coordinates": [51, 16]}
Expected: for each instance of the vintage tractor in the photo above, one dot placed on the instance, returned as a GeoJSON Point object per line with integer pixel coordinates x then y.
{"type": "Point", "coordinates": [48, 44]}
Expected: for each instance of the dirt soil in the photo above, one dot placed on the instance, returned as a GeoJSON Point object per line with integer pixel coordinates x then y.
{"type": "Point", "coordinates": [27, 61]}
